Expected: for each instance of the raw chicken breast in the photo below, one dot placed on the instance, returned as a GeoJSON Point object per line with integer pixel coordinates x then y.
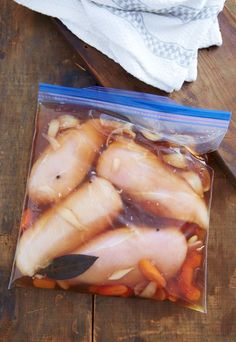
{"type": "Point", "coordinates": [85, 213]}
{"type": "Point", "coordinates": [59, 170]}
{"type": "Point", "coordinates": [147, 180]}
{"type": "Point", "coordinates": [123, 248]}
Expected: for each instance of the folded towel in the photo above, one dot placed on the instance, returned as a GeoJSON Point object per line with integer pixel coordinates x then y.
{"type": "Point", "coordinates": [157, 41]}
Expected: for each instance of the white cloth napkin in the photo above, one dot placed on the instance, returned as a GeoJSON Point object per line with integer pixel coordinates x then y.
{"type": "Point", "coordinates": [155, 40]}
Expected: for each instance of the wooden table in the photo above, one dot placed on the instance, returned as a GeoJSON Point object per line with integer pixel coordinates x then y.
{"type": "Point", "coordinates": [32, 51]}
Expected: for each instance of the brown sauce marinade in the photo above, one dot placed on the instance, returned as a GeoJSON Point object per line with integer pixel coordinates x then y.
{"type": "Point", "coordinates": [128, 224]}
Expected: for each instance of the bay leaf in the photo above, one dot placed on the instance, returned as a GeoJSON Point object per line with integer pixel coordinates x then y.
{"type": "Point", "coordinates": [68, 266]}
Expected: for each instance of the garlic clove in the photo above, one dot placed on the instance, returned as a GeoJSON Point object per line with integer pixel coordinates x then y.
{"type": "Point", "coordinates": [192, 240]}
{"type": "Point", "coordinates": [68, 121]}
{"type": "Point", "coordinates": [176, 160]}
{"type": "Point", "coordinates": [120, 273]}
{"type": "Point", "coordinates": [151, 135]}
{"type": "Point", "coordinates": [53, 128]}
{"type": "Point", "coordinates": [149, 290]}
{"type": "Point", "coordinates": [194, 181]}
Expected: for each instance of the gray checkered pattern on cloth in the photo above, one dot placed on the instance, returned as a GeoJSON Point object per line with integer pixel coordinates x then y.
{"type": "Point", "coordinates": [171, 51]}
{"type": "Point", "coordinates": [184, 13]}
{"type": "Point", "coordinates": [188, 14]}
{"type": "Point", "coordinates": [132, 5]}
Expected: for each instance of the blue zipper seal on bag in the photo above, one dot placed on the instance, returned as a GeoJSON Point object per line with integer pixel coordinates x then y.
{"type": "Point", "coordinates": [134, 94]}
{"type": "Point", "coordinates": [153, 108]}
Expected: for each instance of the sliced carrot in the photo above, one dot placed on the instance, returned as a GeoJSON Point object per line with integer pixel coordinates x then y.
{"type": "Point", "coordinates": [93, 289]}
{"type": "Point", "coordinates": [172, 288]}
{"type": "Point", "coordinates": [188, 290]}
{"type": "Point", "coordinates": [110, 290]}
{"type": "Point", "coordinates": [186, 275]}
{"type": "Point", "coordinates": [63, 284]}
{"type": "Point", "coordinates": [192, 293]}
{"type": "Point", "coordinates": [128, 293]}
{"type": "Point", "coordinates": [160, 294]}
{"type": "Point", "coordinates": [44, 283]}
{"type": "Point", "coordinates": [194, 259]}
{"type": "Point", "coordinates": [151, 272]}
{"type": "Point", "coordinates": [172, 298]}
{"type": "Point", "coordinates": [26, 219]}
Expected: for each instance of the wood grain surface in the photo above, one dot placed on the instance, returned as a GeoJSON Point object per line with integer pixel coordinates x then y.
{"type": "Point", "coordinates": [214, 87]}
{"type": "Point", "coordinates": [231, 5]}
{"type": "Point", "coordinates": [32, 50]}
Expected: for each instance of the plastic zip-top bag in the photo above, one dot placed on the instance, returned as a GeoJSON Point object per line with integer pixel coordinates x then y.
{"type": "Point", "coordinates": [118, 195]}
